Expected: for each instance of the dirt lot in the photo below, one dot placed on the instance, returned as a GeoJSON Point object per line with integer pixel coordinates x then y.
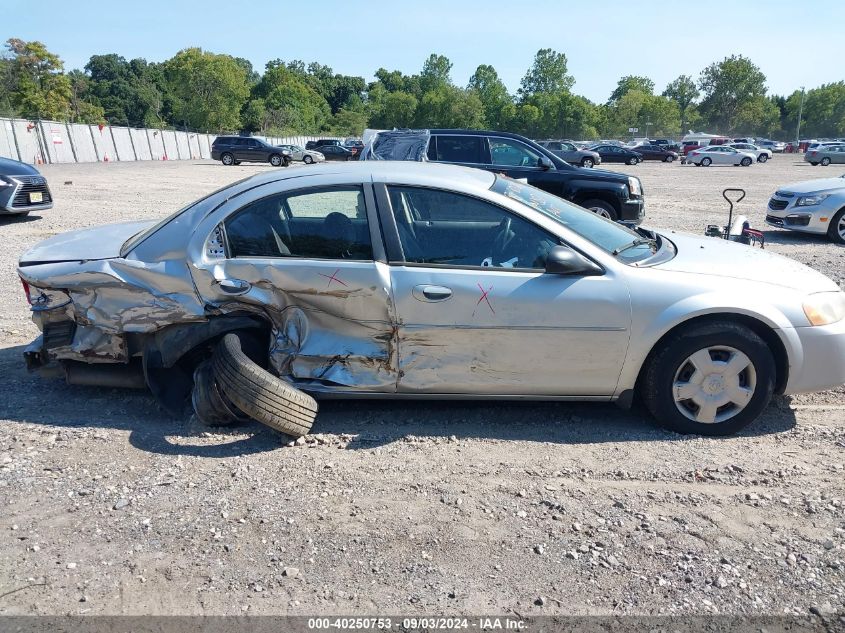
{"type": "Point", "coordinates": [110, 507]}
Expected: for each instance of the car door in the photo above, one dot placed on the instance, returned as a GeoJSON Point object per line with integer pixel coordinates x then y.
{"type": "Point", "coordinates": [310, 260]}
{"type": "Point", "coordinates": [837, 154]}
{"type": "Point", "coordinates": [476, 312]}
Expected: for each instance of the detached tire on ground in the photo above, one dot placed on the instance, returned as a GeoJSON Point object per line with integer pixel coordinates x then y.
{"type": "Point", "coordinates": [259, 394]}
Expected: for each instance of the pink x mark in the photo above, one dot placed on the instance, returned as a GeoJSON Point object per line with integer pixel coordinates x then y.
{"type": "Point", "coordinates": [333, 277]}
{"type": "Point", "coordinates": [484, 298]}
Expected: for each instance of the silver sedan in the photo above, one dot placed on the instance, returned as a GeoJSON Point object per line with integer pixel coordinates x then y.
{"type": "Point", "coordinates": [393, 279]}
{"type": "Point", "coordinates": [307, 156]}
{"type": "Point", "coordinates": [720, 155]}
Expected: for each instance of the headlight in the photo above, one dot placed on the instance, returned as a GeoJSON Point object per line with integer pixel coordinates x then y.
{"type": "Point", "coordinates": [635, 186]}
{"type": "Point", "coordinates": [824, 308]}
{"type": "Point", "coordinates": [44, 299]}
{"type": "Point", "coordinates": [808, 201]}
{"type": "Point", "coordinates": [5, 182]}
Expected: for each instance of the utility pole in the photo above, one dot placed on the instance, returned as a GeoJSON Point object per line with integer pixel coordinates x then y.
{"type": "Point", "coordinates": [798, 127]}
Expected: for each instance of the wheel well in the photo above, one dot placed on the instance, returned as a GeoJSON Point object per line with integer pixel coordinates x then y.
{"type": "Point", "coordinates": [758, 327]}
{"type": "Point", "coordinates": [599, 195]}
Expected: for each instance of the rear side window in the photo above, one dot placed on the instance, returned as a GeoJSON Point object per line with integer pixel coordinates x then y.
{"type": "Point", "coordinates": [456, 149]}
{"type": "Point", "coordinates": [328, 223]}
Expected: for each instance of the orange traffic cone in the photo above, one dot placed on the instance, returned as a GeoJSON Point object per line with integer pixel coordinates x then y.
{"type": "Point", "coordinates": [105, 158]}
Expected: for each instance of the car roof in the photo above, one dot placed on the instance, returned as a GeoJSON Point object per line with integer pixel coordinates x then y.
{"type": "Point", "coordinates": [387, 171]}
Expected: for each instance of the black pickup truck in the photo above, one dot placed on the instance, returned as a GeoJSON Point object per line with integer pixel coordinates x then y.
{"type": "Point", "coordinates": [610, 194]}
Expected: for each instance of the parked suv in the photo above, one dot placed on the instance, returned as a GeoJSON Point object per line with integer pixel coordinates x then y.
{"type": "Point", "coordinates": [22, 189]}
{"type": "Point", "coordinates": [234, 150]}
{"type": "Point", "coordinates": [322, 141]}
{"type": "Point", "coordinates": [609, 194]}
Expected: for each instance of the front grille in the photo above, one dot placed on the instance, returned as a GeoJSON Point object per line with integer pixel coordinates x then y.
{"type": "Point", "coordinates": [58, 334]}
{"type": "Point", "coordinates": [778, 205]}
{"type": "Point", "coordinates": [31, 184]}
{"type": "Point", "coordinates": [774, 220]}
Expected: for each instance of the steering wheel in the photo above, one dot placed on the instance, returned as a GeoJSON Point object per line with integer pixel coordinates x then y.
{"type": "Point", "coordinates": [501, 240]}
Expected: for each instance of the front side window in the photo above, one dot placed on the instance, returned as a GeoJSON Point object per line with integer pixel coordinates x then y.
{"type": "Point", "coordinates": [512, 153]}
{"type": "Point", "coordinates": [446, 228]}
{"type": "Point", "coordinates": [328, 223]}
{"type": "Point", "coordinates": [605, 234]}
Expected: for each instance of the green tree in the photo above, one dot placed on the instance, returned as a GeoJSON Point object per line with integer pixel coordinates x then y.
{"type": "Point", "coordinates": [450, 106]}
{"type": "Point", "coordinates": [348, 122]}
{"type": "Point", "coordinates": [291, 104]}
{"type": "Point", "coordinates": [823, 114]}
{"type": "Point", "coordinates": [38, 86]}
{"type": "Point", "coordinates": [631, 82]}
{"type": "Point", "coordinates": [435, 73]}
{"type": "Point", "coordinates": [208, 89]}
{"type": "Point", "coordinates": [683, 92]}
{"type": "Point", "coordinates": [731, 88]}
{"type": "Point", "coordinates": [548, 73]}
{"type": "Point", "coordinates": [493, 94]}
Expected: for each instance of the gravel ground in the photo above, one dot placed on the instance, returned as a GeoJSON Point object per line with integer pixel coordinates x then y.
{"type": "Point", "coordinates": [109, 507]}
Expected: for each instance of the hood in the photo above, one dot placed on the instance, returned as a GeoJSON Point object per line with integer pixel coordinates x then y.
{"type": "Point", "coordinates": [9, 167]}
{"type": "Point", "coordinates": [811, 186]}
{"type": "Point", "coordinates": [721, 258]}
{"type": "Point", "coordinates": [100, 242]}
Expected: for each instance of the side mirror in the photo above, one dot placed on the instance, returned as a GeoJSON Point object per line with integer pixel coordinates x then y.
{"type": "Point", "coordinates": [562, 260]}
{"type": "Point", "coordinates": [544, 163]}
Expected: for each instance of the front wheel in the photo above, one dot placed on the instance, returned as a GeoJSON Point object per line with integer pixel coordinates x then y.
{"type": "Point", "coordinates": [307, 160]}
{"type": "Point", "coordinates": [633, 160]}
{"type": "Point", "coordinates": [706, 162]}
{"type": "Point", "coordinates": [587, 162]}
{"type": "Point", "coordinates": [745, 162]}
{"type": "Point", "coordinates": [602, 208]}
{"type": "Point", "coordinates": [825, 161]}
{"type": "Point", "coordinates": [276, 160]}
{"type": "Point", "coordinates": [836, 230]}
{"type": "Point", "coordinates": [762, 158]}
{"type": "Point", "coordinates": [668, 159]}
{"type": "Point", "coordinates": [227, 159]}
{"type": "Point", "coordinates": [710, 379]}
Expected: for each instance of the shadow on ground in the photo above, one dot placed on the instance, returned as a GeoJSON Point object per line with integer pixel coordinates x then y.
{"type": "Point", "coordinates": [29, 398]}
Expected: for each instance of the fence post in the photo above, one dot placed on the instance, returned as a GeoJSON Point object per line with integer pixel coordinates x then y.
{"type": "Point", "coordinates": [70, 140]}
{"type": "Point", "coordinates": [132, 143]}
{"type": "Point", "coordinates": [149, 142]}
{"type": "Point", "coordinates": [94, 141]}
{"type": "Point", "coordinates": [113, 143]}
{"type": "Point", "coordinates": [15, 138]}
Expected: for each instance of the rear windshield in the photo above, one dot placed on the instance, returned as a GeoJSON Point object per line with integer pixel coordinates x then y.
{"type": "Point", "coordinates": [139, 237]}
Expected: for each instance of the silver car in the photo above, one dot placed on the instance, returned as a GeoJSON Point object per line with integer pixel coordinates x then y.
{"type": "Point", "coordinates": [720, 155]}
{"type": "Point", "coordinates": [824, 155]}
{"type": "Point", "coordinates": [811, 206]}
{"type": "Point", "coordinates": [762, 153]}
{"type": "Point", "coordinates": [413, 280]}
{"type": "Point", "coordinates": [572, 154]}
{"type": "Point", "coordinates": [307, 156]}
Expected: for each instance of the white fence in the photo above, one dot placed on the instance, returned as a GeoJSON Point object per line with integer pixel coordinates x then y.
{"type": "Point", "coordinates": [49, 142]}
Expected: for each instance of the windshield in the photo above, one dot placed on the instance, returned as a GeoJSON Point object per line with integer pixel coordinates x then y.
{"type": "Point", "coordinates": [606, 234]}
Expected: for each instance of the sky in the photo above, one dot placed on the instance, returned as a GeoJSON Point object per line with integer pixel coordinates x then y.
{"type": "Point", "coordinates": [603, 40]}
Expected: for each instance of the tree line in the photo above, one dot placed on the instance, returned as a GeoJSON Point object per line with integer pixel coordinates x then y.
{"type": "Point", "coordinates": [207, 91]}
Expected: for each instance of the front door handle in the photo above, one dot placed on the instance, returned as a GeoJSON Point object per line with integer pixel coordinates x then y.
{"type": "Point", "coordinates": [233, 286]}
{"type": "Point", "coordinates": [431, 294]}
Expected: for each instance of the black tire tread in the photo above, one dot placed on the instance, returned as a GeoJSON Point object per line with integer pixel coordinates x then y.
{"type": "Point", "coordinates": [260, 394]}
{"type": "Point", "coordinates": [650, 388]}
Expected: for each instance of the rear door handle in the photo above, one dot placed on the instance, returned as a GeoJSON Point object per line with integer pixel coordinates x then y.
{"type": "Point", "coordinates": [431, 294]}
{"type": "Point", "coordinates": [234, 286]}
